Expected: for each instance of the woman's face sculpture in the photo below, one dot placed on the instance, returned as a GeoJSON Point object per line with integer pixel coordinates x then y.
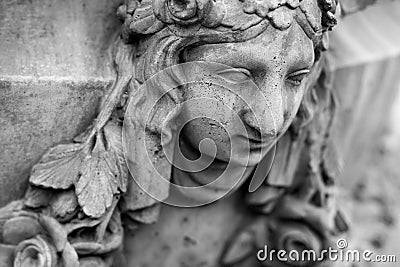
{"type": "Point", "coordinates": [276, 62]}
{"type": "Point", "coordinates": [268, 45]}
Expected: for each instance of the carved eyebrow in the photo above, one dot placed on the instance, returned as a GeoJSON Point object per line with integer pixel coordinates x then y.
{"type": "Point", "coordinates": [303, 65]}
{"type": "Point", "coordinates": [299, 72]}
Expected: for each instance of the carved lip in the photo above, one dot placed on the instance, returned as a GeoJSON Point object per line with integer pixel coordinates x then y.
{"type": "Point", "coordinates": [259, 143]}
{"type": "Point", "coordinates": [259, 146]}
{"type": "Point", "coordinates": [256, 138]}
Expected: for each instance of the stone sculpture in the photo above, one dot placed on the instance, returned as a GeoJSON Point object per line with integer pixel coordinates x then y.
{"type": "Point", "coordinates": [79, 192]}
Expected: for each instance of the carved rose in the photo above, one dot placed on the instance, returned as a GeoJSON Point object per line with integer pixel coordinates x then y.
{"type": "Point", "coordinates": [138, 19]}
{"type": "Point", "coordinates": [150, 16]}
{"type": "Point", "coordinates": [277, 235]}
{"type": "Point", "coordinates": [208, 13]}
{"type": "Point", "coordinates": [39, 240]}
{"type": "Point", "coordinates": [35, 252]}
{"type": "Point", "coordinates": [290, 236]}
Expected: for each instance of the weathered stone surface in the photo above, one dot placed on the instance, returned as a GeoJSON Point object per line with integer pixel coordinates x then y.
{"type": "Point", "coordinates": [186, 237]}
{"type": "Point", "coordinates": [35, 115]}
{"type": "Point", "coordinates": [56, 38]}
{"type": "Point", "coordinates": [52, 91]}
{"type": "Point", "coordinates": [53, 70]}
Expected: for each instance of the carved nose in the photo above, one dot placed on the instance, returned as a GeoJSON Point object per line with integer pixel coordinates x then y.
{"type": "Point", "coordinates": [261, 122]}
{"type": "Point", "coordinates": [272, 109]}
{"type": "Point", "coordinates": [268, 113]}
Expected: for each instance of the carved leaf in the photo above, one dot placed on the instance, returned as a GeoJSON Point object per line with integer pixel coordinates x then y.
{"type": "Point", "coordinates": [20, 228]}
{"type": "Point", "coordinates": [242, 246]}
{"type": "Point", "coordinates": [104, 238]}
{"type": "Point", "coordinates": [146, 215]}
{"type": "Point", "coordinates": [78, 223]}
{"type": "Point", "coordinates": [70, 257]}
{"type": "Point", "coordinates": [97, 184]}
{"type": "Point", "coordinates": [113, 136]}
{"type": "Point", "coordinates": [104, 173]}
{"type": "Point", "coordinates": [96, 168]}
{"type": "Point", "coordinates": [7, 212]}
{"type": "Point", "coordinates": [64, 205]}
{"type": "Point", "coordinates": [58, 168]}
{"type": "Point", "coordinates": [56, 231]}
{"type": "Point", "coordinates": [36, 197]}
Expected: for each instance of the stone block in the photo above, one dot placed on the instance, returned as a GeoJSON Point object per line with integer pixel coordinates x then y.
{"type": "Point", "coordinates": [54, 68]}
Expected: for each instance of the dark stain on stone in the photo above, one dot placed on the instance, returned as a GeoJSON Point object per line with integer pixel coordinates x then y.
{"type": "Point", "coordinates": [184, 220]}
{"type": "Point", "coordinates": [377, 242]}
{"type": "Point", "coordinates": [166, 248]}
{"type": "Point", "coordinates": [388, 219]}
{"type": "Point", "coordinates": [188, 241]}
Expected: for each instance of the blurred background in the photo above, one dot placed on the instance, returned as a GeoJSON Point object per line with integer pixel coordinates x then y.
{"type": "Point", "coordinates": [365, 50]}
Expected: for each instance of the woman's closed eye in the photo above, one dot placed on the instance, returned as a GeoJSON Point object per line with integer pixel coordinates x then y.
{"type": "Point", "coordinates": [297, 77]}
{"type": "Point", "coordinates": [235, 75]}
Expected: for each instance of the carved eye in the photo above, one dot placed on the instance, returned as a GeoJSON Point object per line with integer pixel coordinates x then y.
{"type": "Point", "coordinates": [297, 77]}
{"type": "Point", "coordinates": [235, 75]}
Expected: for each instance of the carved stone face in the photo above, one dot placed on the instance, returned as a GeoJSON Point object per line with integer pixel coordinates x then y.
{"type": "Point", "coordinates": [277, 62]}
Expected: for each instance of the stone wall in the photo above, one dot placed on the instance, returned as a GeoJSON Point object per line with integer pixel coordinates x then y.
{"type": "Point", "coordinates": [53, 70]}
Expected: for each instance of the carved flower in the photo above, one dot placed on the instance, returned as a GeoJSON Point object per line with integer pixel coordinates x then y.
{"type": "Point", "coordinates": [292, 237]}
{"type": "Point", "coordinates": [295, 236]}
{"type": "Point", "coordinates": [150, 16]}
{"type": "Point", "coordinates": [280, 13]}
{"type": "Point", "coordinates": [39, 240]}
{"type": "Point", "coordinates": [208, 13]}
{"type": "Point", "coordinates": [262, 8]}
{"type": "Point", "coordinates": [35, 252]}
{"type": "Point", "coordinates": [138, 19]}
